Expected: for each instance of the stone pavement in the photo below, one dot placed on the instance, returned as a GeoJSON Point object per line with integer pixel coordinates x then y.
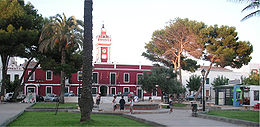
{"type": "Point", "coordinates": [9, 111]}
{"type": "Point", "coordinates": [183, 118]}
{"type": "Point", "coordinates": [179, 117]}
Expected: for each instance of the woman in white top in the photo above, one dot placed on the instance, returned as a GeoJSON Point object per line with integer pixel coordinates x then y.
{"type": "Point", "coordinates": [131, 105]}
{"type": "Point", "coordinates": [114, 103]}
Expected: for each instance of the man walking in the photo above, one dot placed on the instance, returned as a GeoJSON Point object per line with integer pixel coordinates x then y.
{"type": "Point", "coordinates": [122, 103]}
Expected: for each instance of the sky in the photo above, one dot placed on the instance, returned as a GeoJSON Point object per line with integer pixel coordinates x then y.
{"type": "Point", "coordinates": [132, 22]}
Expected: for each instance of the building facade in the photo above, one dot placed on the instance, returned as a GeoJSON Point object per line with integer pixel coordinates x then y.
{"type": "Point", "coordinates": [214, 73]}
{"type": "Point", "coordinates": [108, 78]}
{"type": "Point", "coordinates": [14, 71]}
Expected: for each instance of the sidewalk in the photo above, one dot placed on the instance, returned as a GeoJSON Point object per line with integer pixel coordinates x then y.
{"type": "Point", "coordinates": [183, 118]}
{"type": "Point", "coordinates": [179, 117]}
{"type": "Point", "coordinates": [9, 111]}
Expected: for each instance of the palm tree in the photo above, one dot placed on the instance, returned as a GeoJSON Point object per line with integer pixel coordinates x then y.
{"type": "Point", "coordinates": [253, 4]}
{"type": "Point", "coordinates": [86, 99]}
{"type": "Point", "coordinates": [62, 34]}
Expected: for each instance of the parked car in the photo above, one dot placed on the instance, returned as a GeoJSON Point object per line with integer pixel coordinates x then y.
{"type": "Point", "coordinates": [8, 96]}
{"type": "Point", "coordinates": [39, 98]}
{"type": "Point", "coordinates": [126, 94]}
{"type": "Point", "coordinates": [191, 97]}
{"type": "Point", "coordinates": [70, 94]}
{"type": "Point", "coordinates": [51, 98]}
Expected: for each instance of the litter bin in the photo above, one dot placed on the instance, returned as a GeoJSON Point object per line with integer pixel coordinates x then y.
{"type": "Point", "coordinates": [194, 110]}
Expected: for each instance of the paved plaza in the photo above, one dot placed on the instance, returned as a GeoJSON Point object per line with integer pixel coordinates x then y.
{"type": "Point", "coordinates": [179, 117]}
{"type": "Point", "coordinates": [183, 118]}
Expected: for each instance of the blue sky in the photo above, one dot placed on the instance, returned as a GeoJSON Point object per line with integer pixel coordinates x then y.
{"type": "Point", "coordinates": [132, 22]}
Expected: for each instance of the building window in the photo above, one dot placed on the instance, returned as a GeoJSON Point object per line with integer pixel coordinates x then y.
{"type": "Point", "coordinates": [113, 78]}
{"type": "Point", "coordinates": [113, 90]}
{"type": "Point", "coordinates": [48, 75]}
{"type": "Point", "coordinates": [94, 90]}
{"type": "Point", "coordinates": [8, 77]}
{"type": "Point", "coordinates": [48, 90]}
{"type": "Point", "coordinates": [126, 77]}
{"type": "Point", "coordinates": [126, 89]}
{"type": "Point", "coordinates": [95, 77]}
{"type": "Point", "coordinates": [80, 76]}
{"type": "Point", "coordinates": [256, 95]}
{"type": "Point", "coordinates": [32, 77]}
{"type": "Point", "coordinates": [16, 77]}
{"type": "Point", "coordinates": [139, 78]}
{"type": "Point", "coordinates": [207, 81]}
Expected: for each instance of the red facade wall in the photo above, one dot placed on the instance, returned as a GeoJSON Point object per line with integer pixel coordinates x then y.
{"type": "Point", "coordinates": [103, 70]}
{"type": "Point", "coordinates": [40, 77]}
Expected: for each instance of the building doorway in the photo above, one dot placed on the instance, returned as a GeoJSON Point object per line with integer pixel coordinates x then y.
{"type": "Point", "coordinates": [103, 90]}
{"type": "Point", "coordinates": [139, 93]}
{"type": "Point", "coordinates": [30, 89]}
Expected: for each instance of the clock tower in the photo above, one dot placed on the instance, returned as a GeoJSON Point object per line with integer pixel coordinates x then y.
{"type": "Point", "coordinates": [103, 46]}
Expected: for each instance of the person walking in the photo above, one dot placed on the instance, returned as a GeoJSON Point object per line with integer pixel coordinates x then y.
{"type": "Point", "coordinates": [131, 105]}
{"type": "Point", "coordinates": [171, 104]}
{"type": "Point", "coordinates": [129, 96]}
{"type": "Point", "coordinates": [30, 97]}
{"type": "Point", "coordinates": [114, 103]}
{"type": "Point", "coordinates": [98, 100]}
{"type": "Point", "coordinates": [122, 103]}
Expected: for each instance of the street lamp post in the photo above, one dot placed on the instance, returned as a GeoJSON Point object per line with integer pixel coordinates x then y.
{"type": "Point", "coordinates": [203, 96]}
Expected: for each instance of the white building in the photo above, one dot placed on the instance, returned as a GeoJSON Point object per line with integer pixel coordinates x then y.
{"type": "Point", "coordinates": [14, 71]}
{"type": "Point", "coordinates": [214, 73]}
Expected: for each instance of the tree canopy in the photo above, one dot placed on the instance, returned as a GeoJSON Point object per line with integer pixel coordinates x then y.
{"type": "Point", "coordinates": [253, 79]}
{"type": "Point", "coordinates": [194, 82]}
{"type": "Point", "coordinates": [165, 79]}
{"type": "Point", "coordinates": [64, 35]}
{"type": "Point", "coordinates": [19, 31]}
{"type": "Point", "coordinates": [223, 48]}
{"type": "Point", "coordinates": [181, 38]}
{"type": "Point", "coordinates": [219, 81]}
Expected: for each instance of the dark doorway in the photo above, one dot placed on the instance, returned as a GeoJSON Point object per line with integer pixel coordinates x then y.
{"type": "Point", "coordinates": [103, 90]}
{"type": "Point", "coordinates": [139, 93]}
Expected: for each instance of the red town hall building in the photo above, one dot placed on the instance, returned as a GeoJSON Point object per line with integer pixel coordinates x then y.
{"type": "Point", "coordinates": [108, 78]}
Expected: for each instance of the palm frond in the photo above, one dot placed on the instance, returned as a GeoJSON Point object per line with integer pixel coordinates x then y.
{"type": "Point", "coordinates": [253, 5]}
{"type": "Point", "coordinates": [255, 13]}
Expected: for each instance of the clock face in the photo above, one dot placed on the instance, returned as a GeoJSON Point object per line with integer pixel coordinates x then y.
{"type": "Point", "coordinates": [104, 50]}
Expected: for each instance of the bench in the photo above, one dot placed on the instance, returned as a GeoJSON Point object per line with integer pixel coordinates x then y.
{"type": "Point", "coordinates": [247, 106]}
{"type": "Point", "coordinates": [210, 103]}
{"type": "Point", "coordinates": [199, 108]}
{"type": "Point", "coordinates": [161, 105]}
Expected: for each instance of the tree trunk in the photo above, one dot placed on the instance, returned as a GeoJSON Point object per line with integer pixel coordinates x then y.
{"type": "Point", "coordinates": [62, 77]}
{"type": "Point", "coordinates": [20, 86]}
{"type": "Point", "coordinates": [86, 99]}
{"type": "Point", "coordinates": [205, 77]}
{"type": "Point", "coordinates": [179, 67]}
{"type": "Point", "coordinates": [5, 60]}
